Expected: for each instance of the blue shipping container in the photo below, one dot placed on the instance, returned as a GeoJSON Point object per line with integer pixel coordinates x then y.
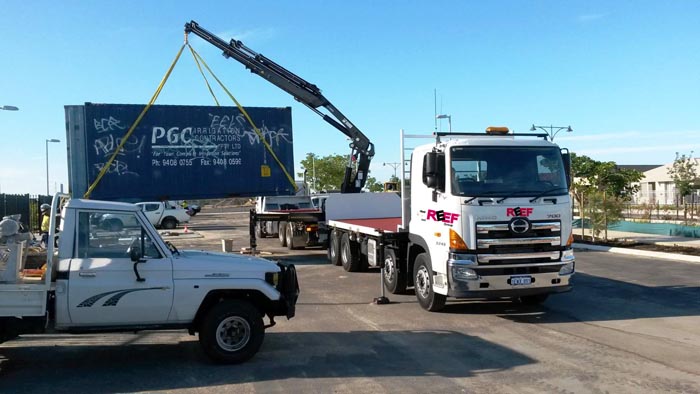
{"type": "Point", "coordinates": [178, 152]}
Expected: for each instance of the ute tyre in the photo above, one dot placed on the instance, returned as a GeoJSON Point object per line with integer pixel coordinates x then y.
{"type": "Point", "coordinates": [422, 279]}
{"type": "Point", "coordinates": [232, 332]}
{"type": "Point", "coordinates": [334, 248]}
{"type": "Point", "coordinates": [169, 223]}
{"type": "Point", "coordinates": [393, 274]}
{"type": "Point", "coordinates": [533, 299]}
{"type": "Point", "coordinates": [348, 255]}
{"type": "Point", "coordinates": [282, 233]}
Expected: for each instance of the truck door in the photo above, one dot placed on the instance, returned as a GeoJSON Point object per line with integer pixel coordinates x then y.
{"type": "Point", "coordinates": [103, 289]}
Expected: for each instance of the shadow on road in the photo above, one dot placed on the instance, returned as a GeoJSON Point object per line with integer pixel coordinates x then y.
{"type": "Point", "coordinates": [138, 367]}
{"type": "Point", "coordinates": [595, 298]}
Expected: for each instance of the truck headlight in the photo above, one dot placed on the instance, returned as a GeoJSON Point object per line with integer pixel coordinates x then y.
{"type": "Point", "coordinates": [460, 272]}
{"type": "Point", "coordinates": [567, 269]}
{"type": "Point", "coordinates": [567, 255]}
{"type": "Point", "coordinates": [463, 258]}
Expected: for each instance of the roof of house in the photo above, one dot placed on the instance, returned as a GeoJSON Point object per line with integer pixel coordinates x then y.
{"type": "Point", "coordinates": [638, 167]}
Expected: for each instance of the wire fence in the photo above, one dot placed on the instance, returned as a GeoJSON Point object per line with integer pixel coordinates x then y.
{"type": "Point", "coordinates": [27, 206]}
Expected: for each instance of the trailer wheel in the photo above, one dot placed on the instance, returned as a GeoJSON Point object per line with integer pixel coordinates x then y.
{"type": "Point", "coordinates": [334, 248]}
{"type": "Point", "coordinates": [348, 256]}
{"type": "Point", "coordinates": [282, 233]}
{"type": "Point", "coordinates": [423, 281]}
{"type": "Point", "coordinates": [290, 237]}
{"type": "Point", "coordinates": [394, 275]}
{"type": "Point", "coordinates": [232, 332]}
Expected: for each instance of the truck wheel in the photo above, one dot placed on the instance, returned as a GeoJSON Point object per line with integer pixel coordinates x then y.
{"type": "Point", "coordinates": [232, 332]}
{"type": "Point", "coordinates": [259, 233]}
{"type": "Point", "coordinates": [290, 237]}
{"type": "Point", "coordinates": [169, 223]}
{"type": "Point", "coordinates": [394, 276]}
{"type": "Point", "coordinates": [334, 248]}
{"type": "Point", "coordinates": [348, 257]}
{"type": "Point", "coordinates": [422, 278]}
{"type": "Point", "coordinates": [533, 299]}
{"type": "Point", "coordinates": [282, 233]}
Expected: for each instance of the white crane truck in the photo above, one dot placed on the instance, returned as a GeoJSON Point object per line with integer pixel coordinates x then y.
{"type": "Point", "coordinates": [130, 280]}
{"type": "Point", "coordinates": [481, 216]}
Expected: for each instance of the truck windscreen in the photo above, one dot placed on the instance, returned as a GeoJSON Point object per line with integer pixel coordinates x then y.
{"type": "Point", "coordinates": [506, 171]}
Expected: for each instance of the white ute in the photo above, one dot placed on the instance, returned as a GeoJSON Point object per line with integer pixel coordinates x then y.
{"type": "Point", "coordinates": [131, 280]}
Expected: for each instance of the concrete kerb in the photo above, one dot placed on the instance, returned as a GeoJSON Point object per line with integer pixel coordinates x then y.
{"type": "Point", "coordinates": [642, 253]}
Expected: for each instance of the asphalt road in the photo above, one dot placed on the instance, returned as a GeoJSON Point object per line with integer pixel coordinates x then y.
{"type": "Point", "coordinates": [631, 325]}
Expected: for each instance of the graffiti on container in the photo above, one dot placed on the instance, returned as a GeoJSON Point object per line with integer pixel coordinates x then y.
{"type": "Point", "coordinates": [106, 145]}
{"type": "Point", "coordinates": [107, 124]}
{"type": "Point", "coordinates": [238, 126]}
{"type": "Point", "coordinates": [117, 167]}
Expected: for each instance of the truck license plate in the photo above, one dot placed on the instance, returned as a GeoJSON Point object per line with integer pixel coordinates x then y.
{"type": "Point", "coordinates": [520, 280]}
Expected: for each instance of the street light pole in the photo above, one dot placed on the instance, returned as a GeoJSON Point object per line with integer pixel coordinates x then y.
{"type": "Point", "coordinates": [449, 120]}
{"type": "Point", "coordinates": [47, 163]}
{"type": "Point", "coordinates": [553, 130]}
{"type": "Point", "coordinates": [393, 165]}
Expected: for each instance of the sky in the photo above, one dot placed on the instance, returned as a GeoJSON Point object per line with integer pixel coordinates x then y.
{"type": "Point", "coordinates": [625, 75]}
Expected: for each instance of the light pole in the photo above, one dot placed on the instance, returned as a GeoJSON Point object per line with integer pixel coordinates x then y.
{"type": "Point", "coordinates": [394, 166]}
{"type": "Point", "coordinates": [9, 108]}
{"type": "Point", "coordinates": [553, 130]}
{"type": "Point", "coordinates": [47, 163]}
{"type": "Point", "coordinates": [449, 120]}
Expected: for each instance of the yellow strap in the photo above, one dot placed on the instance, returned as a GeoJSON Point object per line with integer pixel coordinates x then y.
{"type": "Point", "coordinates": [206, 81]}
{"type": "Point", "coordinates": [243, 111]}
{"type": "Point", "coordinates": [109, 162]}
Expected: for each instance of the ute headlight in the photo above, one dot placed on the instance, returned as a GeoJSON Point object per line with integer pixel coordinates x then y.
{"type": "Point", "coordinates": [567, 269]}
{"type": "Point", "coordinates": [272, 278]}
{"type": "Point", "coordinates": [463, 273]}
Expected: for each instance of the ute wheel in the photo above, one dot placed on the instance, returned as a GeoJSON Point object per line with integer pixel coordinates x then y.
{"type": "Point", "coordinates": [348, 255]}
{"type": "Point", "coordinates": [169, 223]}
{"type": "Point", "coordinates": [533, 299]}
{"type": "Point", "coordinates": [423, 280]}
{"type": "Point", "coordinates": [394, 276]}
{"type": "Point", "coordinates": [232, 332]}
{"type": "Point", "coordinates": [334, 248]}
{"type": "Point", "coordinates": [282, 233]}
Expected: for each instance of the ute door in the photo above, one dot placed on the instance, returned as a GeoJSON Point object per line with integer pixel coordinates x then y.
{"type": "Point", "coordinates": [153, 212]}
{"type": "Point", "coordinates": [103, 288]}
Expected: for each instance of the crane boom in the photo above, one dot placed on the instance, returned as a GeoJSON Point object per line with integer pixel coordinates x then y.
{"type": "Point", "coordinates": [362, 150]}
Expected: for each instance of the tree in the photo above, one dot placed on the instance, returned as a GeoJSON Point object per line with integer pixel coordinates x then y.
{"type": "Point", "coordinates": [604, 187]}
{"type": "Point", "coordinates": [684, 174]}
{"type": "Point", "coordinates": [372, 185]}
{"type": "Point", "coordinates": [330, 171]}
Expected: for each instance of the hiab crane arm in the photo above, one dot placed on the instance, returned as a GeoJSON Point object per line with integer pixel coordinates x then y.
{"type": "Point", "coordinates": [306, 93]}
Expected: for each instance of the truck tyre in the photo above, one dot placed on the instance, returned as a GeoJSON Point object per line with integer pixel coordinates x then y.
{"type": "Point", "coordinates": [334, 248]}
{"type": "Point", "coordinates": [259, 233]}
{"type": "Point", "coordinates": [348, 255]}
{"type": "Point", "coordinates": [282, 233]}
{"type": "Point", "coordinates": [394, 275]}
{"type": "Point", "coordinates": [423, 281]}
{"type": "Point", "coordinates": [169, 223]}
{"type": "Point", "coordinates": [290, 237]}
{"type": "Point", "coordinates": [232, 332]}
{"type": "Point", "coordinates": [533, 299]}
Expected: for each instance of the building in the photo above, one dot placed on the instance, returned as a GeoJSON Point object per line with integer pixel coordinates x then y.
{"type": "Point", "coordinates": [658, 187]}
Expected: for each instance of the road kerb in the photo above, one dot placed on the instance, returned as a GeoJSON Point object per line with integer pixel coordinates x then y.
{"type": "Point", "coordinates": [643, 253]}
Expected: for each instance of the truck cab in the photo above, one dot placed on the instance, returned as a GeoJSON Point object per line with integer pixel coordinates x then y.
{"type": "Point", "coordinates": [489, 217]}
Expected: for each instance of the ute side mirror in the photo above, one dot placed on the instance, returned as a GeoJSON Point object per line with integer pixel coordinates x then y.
{"type": "Point", "coordinates": [135, 253]}
{"type": "Point", "coordinates": [566, 158]}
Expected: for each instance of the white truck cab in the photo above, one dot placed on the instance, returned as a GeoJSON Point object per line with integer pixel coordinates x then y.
{"type": "Point", "coordinates": [129, 280]}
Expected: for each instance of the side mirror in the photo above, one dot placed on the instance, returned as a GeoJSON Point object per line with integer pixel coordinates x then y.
{"type": "Point", "coordinates": [434, 170]}
{"type": "Point", "coordinates": [135, 253]}
{"type": "Point", "coordinates": [566, 158]}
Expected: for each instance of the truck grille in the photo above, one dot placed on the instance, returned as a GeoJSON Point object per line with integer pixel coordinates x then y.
{"type": "Point", "coordinates": [496, 244]}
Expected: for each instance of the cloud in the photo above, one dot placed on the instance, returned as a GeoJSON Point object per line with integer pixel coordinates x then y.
{"type": "Point", "coordinates": [590, 17]}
